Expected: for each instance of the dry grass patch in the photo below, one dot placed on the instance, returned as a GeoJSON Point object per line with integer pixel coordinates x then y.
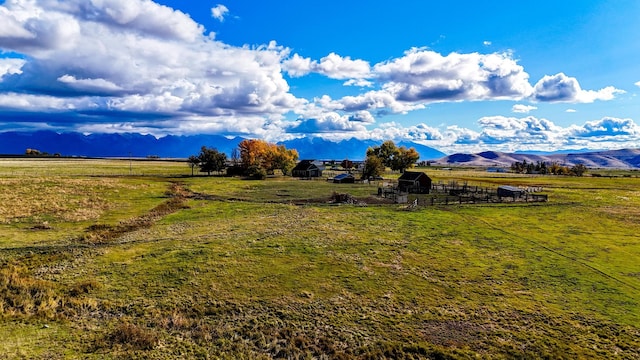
{"type": "Point", "coordinates": [21, 294]}
{"type": "Point", "coordinates": [24, 295]}
{"type": "Point", "coordinates": [64, 199]}
{"type": "Point", "coordinates": [131, 336]}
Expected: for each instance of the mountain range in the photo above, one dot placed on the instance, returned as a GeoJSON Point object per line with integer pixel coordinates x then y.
{"type": "Point", "coordinates": [619, 159]}
{"type": "Point", "coordinates": [138, 145]}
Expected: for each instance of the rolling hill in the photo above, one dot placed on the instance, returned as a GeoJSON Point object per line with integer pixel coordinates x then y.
{"type": "Point", "coordinates": [619, 159]}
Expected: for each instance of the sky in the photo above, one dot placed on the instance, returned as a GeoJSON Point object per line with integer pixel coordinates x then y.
{"type": "Point", "coordinates": [463, 76]}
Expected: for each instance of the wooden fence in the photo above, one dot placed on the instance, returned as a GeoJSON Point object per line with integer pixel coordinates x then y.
{"type": "Point", "coordinates": [453, 193]}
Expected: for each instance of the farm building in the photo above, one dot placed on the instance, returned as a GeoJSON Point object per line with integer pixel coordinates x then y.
{"type": "Point", "coordinates": [510, 191]}
{"type": "Point", "coordinates": [414, 182]}
{"type": "Point", "coordinates": [306, 169]}
{"type": "Point", "coordinates": [344, 178]}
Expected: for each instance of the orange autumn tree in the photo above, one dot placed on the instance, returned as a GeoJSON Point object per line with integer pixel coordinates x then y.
{"type": "Point", "coordinates": [259, 158]}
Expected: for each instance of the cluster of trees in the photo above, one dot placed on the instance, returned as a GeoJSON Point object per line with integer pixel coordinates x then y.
{"type": "Point", "coordinates": [542, 167]}
{"type": "Point", "coordinates": [259, 158]}
{"type": "Point", "coordinates": [253, 158]}
{"type": "Point", "coordinates": [388, 155]}
{"type": "Point", "coordinates": [36, 152]}
{"type": "Point", "coordinates": [208, 160]}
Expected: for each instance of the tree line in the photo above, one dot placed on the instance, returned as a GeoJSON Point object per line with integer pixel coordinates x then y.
{"type": "Point", "coordinates": [543, 168]}
{"type": "Point", "coordinates": [258, 158]}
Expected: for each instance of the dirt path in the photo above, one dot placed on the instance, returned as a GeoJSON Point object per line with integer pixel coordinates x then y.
{"type": "Point", "coordinates": [104, 234]}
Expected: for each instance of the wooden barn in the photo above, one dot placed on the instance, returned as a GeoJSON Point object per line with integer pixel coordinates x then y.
{"type": "Point", "coordinates": [344, 178]}
{"type": "Point", "coordinates": [414, 182]}
{"type": "Point", "coordinates": [306, 169]}
{"type": "Point", "coordinates": [510, 191]}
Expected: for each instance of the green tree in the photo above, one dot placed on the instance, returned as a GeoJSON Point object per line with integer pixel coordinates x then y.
{"type": "Point", "coordinates": [385, 152]}
{"type": "Point", "coordinates": [557, 169]}
{"type": "Point", "coordinates": [542, 167]}
{"type": "Point", "coordinates": [256, 172]}
{"type": "Point", "coordinates": [284, 159]}
{"type": "Point", "coordinates": [578, 170]}
{"type": "Point", "coordinates": [396, 158]}
{"type": "Point", "coordinates": [373, 166]}
{"type": "Point", "coordinates": [193, 161]}
{"type": "Point", "coordinates": [211, 160]}
{"type": "Point", "coordinates": [404, 159]}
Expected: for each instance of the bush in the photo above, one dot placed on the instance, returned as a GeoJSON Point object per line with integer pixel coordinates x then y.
{"type": "Point", "coordinates": [256, 173]}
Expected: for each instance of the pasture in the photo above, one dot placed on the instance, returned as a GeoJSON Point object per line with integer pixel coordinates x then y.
{"type": "Point", "coordinates": [136, 259]}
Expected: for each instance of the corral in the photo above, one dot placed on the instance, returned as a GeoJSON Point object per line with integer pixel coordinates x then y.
{"type": "Point", "coordinates": [455, 193]}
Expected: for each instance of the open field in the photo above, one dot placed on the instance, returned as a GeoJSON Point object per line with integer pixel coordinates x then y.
{"type": "Point", "coordinates": [118, 259]}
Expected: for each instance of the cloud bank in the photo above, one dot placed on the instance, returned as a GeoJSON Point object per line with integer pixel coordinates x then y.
{"type": "Point", "coordinates": [138, 66]}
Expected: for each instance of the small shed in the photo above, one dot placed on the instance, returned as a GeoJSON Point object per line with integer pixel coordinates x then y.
{"type": "Point", "coordinates": [510, 191]}
{"type": "Point", "coordinates": [306, 169]}
{"type": "Point", "coordinates": [344, 178]}
{"type": "Point", "coordinates": [414, 182]}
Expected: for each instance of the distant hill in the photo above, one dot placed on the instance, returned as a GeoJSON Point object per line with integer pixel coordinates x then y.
{"type": "Point", "coordinates": [138, 145]}
{"type": "Point", "coordinates": [619, 159]}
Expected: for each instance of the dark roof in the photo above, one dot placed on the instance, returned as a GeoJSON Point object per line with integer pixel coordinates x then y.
{"type": "Point", "coordinates": [510, 188]}
{"type": "Point", "coordinates": [411, 175]}
{"type": "Point", "coordinates": [342, 176]}
{"type": "Point", "coordinates": [304, 165]}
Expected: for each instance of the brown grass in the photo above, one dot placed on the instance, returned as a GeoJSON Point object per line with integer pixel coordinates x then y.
{"type": "Point", "coordinates": [66, 199]}
{"type": "Point", "coordinates": [21, 294]}
{"type": "Point", "coordinates": [131, 336]}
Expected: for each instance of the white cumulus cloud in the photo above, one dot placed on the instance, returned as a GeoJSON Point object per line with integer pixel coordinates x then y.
{"type": "Point", "coordinates": [426, 76]}
{"type": "Point", "coordinates": [332, 66]}
{"type": "Point", "coordinates": [329, 122]}
{"type": "Point", "coordinates": [562, 88]}
{"type": "Point", "coordinates": [10, 66]}
{"type": "Point", "coordinates": [607, 127]}
{"type": "Point", "coordinates": [297, 66]}
{"type": "Point", "coordinates": [524, 109]}
{"type": "Point", "coordinates": [358, 82]}
{"type": "Point", "coordinates": [219, 12]}
{"type": "Point", "coordinates": [89, 84]}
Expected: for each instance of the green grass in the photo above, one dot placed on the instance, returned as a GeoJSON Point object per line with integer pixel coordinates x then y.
{"type": "Point", "coordinates": [269, 269]}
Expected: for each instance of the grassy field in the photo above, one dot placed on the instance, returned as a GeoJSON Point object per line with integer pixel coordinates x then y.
{"type": "Point", "coordinates": [119, 259]}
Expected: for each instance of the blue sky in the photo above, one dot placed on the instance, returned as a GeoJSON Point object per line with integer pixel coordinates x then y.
{"type": "Point", "coordinates": [458, 76]}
